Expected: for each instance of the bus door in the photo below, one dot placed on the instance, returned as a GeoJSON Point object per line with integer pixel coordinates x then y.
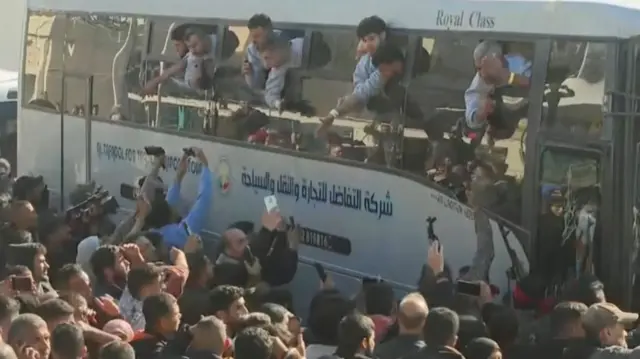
{"type": "Point", "coordinates": [570, 182]}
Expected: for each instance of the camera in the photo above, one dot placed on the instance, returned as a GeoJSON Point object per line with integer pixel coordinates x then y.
{"type": "Point", "coordinates": [99, 203]}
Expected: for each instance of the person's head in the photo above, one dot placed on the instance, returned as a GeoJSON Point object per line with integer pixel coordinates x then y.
{"type": "Point", "coordinates": [587, 289]}
{"type": "Point", "coordinates": [356, 334]}
{"type": "Point", "coordinates": [151, 245]}
{"type": "Point", "coordinates": [72, 278]}
{"type": "Point", "coordinates": [253, 343]}
{"type": "Point", "coordinates": [209, 333]}
{"type": "Point", "coordinates": [503, 325]}
{"type": "Point", "coordinates": [607, 324]}
{"type": "Point", "coordinates": [371, 31]}
{"type": "Point", "coordinates": [177, 38]}
{"type": "Point", "coordinates": [235, 242]}
{"type": "Point", "coordinates": [275, 52]}
{"type": "Point", "coordinates": [326, 311]}
{"type": "Point", "coordinates": [412, 313]}
{"type": "Point", "coordinates": [9, 310]}
{"type": "Point", "coordinates": [255, 319]}
{"type": "Point", "coordinates": [29, 188]}
{"type": "Point", "coordinates": [53, 231]}
{"type": "Point", "coordinates": [23, 215]}
{"type": "Point", "coordinates": [197, 41]}
{"type": "Point", "coordinates": [109, 265]}
{"type": "Point", "coordinates": [486, 49]}
{"type": "Point", "coordinates": [161, 314]}
{"type": "Point", "coordinates": [6, 352]}
{"type": "Point", "coordinates": [55, 312]}
{"type": "Point", "coordinates": [379, 299]}
{"type": "Point", "coordinates": [30, 330]}
{"type": "Point", "coordinates": [117, 350]}
{"type": "Point", "coordinates": [260, 29]}
{"type": "Point", "coordinates": [200, 270]}
{"type": "Point", "coordinates": [227, 303]}
{"type": "Point", "coordinates": [31, 255]}
{"type": "Point", "coordinates": [120, 328]}
{"type": "Point", "coordinates": [441, 327]}
{"type": "Point", "coordinates": [67, 342]}
{"type": "Point", "coordinates": [144, 281]}
{"type": "Point", "coordinates": [389, 60]}
{"type": "Point", "coordinates": [281, 317]}
{"type": "Point", "coordinates": [86, 248]}
{"type": "Point", "coordinates": [161, 214]}
{"type": "Point", "coordinates": [566, 320]}
{"type": "Point", "coordinates": [482, 348]}
{"type": "Point", "coordinates": [79, 304]}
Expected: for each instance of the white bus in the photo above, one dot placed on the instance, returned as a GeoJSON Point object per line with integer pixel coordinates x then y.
{"type": "Point", "coordinates": [8, 114]}
{"type": "Point", "coordinates": [84, 58]}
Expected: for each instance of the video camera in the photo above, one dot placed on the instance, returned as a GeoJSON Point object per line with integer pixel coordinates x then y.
{"type": "Point", "coordinates": [99, 203]}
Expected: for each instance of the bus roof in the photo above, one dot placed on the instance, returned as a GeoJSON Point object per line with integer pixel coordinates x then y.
{"type": "Point", "coordinates": [583, 18]}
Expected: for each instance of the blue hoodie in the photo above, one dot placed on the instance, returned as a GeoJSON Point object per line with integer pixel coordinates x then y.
{"type": "Point", "coordinates": [174, 234]}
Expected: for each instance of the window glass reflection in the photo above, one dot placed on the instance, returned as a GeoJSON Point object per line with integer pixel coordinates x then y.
{"type": "Point", "coordinates": [575, 87]}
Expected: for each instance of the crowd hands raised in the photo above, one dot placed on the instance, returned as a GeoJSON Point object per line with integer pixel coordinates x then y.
{"type": "Point", "coordinates": [152, 288]}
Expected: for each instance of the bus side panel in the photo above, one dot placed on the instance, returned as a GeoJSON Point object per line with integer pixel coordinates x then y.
{"type": "Point", "coordinates": [39, 150]}
{"type": "Point", "coordinates": [376, 221]}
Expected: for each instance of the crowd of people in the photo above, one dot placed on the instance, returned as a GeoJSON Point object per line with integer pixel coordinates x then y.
{"type": "Point", "coordinates": [74, 287]}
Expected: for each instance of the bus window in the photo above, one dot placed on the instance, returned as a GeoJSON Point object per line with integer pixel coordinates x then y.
{"type": "Point", "coordinates": [568, 221]}
{"type": "Point", "coordinates": [365, 132]}
{"type": "Point", "coordinates": [106, 50]}
{"type": "Point", "coordinates": [464, 116]}
{"type": "Point", "coordinates": [42, 78]}
{"type": "Point", "coordinates": [575, 87]}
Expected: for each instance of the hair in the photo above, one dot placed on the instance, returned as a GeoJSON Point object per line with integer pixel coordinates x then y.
{"type": "Point", "coordinates": [28, 303]}
{"type": "Point", "coordinates": [253, 343]}
{"type": "Point", "coordinates": [6, 352]}
{"type": "Point", "coordinates": [160, 214]}
{"type": "Point", "coordinates": [176, 34]}
{"type": "Point", "coordinates": [486, 48]}
{"type": "Point", "coordinates": [53, 309]}
{"type": "Point", "coordinates": [67, 341]}
{"type": "Point", "coordinates": [587, 289]}
{"type": "Point", "coordinates": [326, 310]}
{"type": "Point", "coordinates": [276, 312]}
{"type": "Point", "coordinates": [370, 25]}
{"type": "Point", "coordinates": [9, 308]}
{"type": "Point", "coordinates": [141, 276]}
{"type": "Point", "coordinates": [17, 270]}
{"type": "Point", "coordinates": [564, 314]}
{"type": "Point", "coordinates": [65, 274]}
{"type": "Point", "coordinates": [259, 20]}
{"type": "Point", "coordinates": [103, 258]}
{"type": "Point", "coordinates": [191, 31]}
{"type": "Point", "coordinates": [351, 331]}
{"type": "Point", "coordinates": [503, 325]}
{"type": "Point", "coordinates": [275, 44]}
{"type": "Point", "coordinates": [387, 53]}
{"type": "Point", "coordinates": [156, 307]}
{"type": "Point", "coordinates": [379, 299]}
{"type": "Point", "coordinates": [22, 325]}
{"type": "Point", "coordinates": [255, 319]}
{"type": "Point", "coordinates": [441, 327]}
{"type": "Point", "coordinates": [221, 297]}
{"type": "Point", "coordinates": [415, 320]}
{"type": "Point", "coordinates": [117, 350]}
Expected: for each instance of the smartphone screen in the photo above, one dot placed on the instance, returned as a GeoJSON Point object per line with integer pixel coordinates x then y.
{"type": "Point", "coordinates": [21, 284]}
{"type": "Point", "coordinates": [248, 256]}
{"type": "Point", "coordinates": [468, 288]}
{"type": "Point", "coordinates": [321, 272]}
{"type": "Point", "coordinates": [271, 203]}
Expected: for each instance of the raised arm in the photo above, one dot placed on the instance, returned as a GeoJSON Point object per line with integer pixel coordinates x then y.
{"type": "Point", "coordinates": [197, 217]}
